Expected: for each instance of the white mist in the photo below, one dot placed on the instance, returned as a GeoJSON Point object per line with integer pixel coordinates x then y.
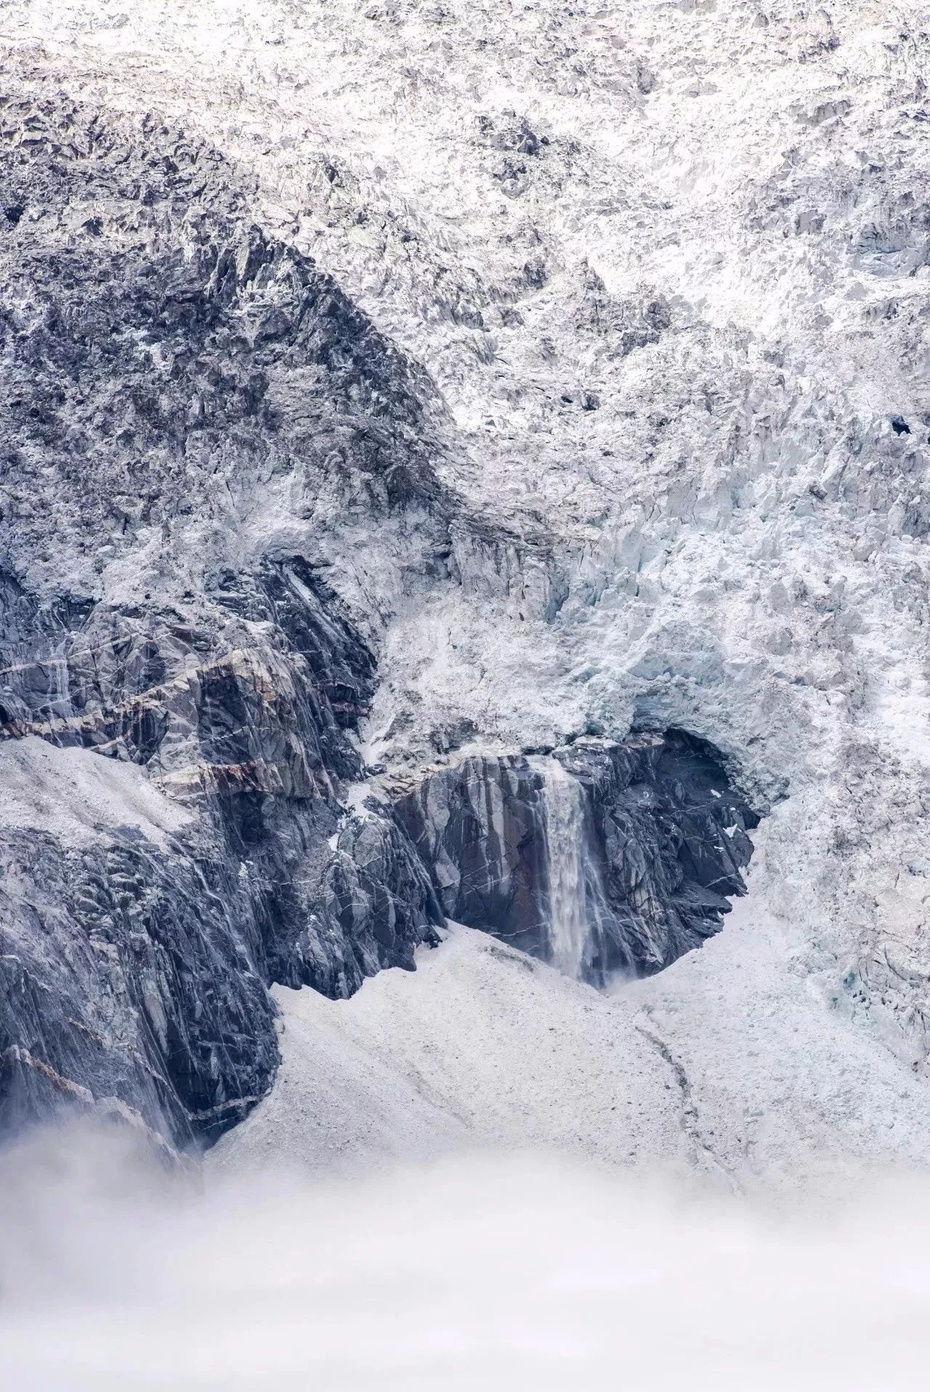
{"type": "Point", "coordinates": [485, 1272]}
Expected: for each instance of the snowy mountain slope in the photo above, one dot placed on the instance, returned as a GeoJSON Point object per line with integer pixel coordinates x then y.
{"type": "Point", "coordinates": [664, 268]}
{"type": "Point", "coordinates": [481, 1045]}
{"type": "Point", "coordinates": [719, 1064]}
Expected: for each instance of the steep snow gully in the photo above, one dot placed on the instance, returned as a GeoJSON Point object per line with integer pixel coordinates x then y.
{"type": "Point", "coordinates": [465, 463]}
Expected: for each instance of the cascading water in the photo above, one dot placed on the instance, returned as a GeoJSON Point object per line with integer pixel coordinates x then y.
{"type": "Point", "coordinates": [607, 859]}
{"type": "Point", "coordinates": [575, 896]}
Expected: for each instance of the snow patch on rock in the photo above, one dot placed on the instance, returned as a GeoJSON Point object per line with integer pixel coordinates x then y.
{"type": "Point", "coordinates": [77, 796]}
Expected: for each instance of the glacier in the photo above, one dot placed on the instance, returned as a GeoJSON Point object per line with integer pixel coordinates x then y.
{"type": "Point", "coordinates": [400, 391]}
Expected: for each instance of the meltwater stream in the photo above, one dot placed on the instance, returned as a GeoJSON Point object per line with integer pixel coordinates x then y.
{"type": "Point", "coordinates": [575, 895]}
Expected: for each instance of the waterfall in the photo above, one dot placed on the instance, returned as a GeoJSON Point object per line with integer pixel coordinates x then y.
{"type": "Point", "coordinates": [575, 896]}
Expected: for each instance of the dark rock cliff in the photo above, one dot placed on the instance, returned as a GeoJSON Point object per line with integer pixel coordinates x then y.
{"type": "Point", "coordinates": [660, 836]}
{"type": "Point", "coordinates": [138, 972]}
{"type": "Point", "coordinates": [167, 366]}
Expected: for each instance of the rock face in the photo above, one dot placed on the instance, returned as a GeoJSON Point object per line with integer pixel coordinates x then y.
{"type": "Point", "coordinates": [154, 959]}
{"type": "Point", "coordinates": [167, 367]}
{"type": "Point", "coordinates": [135, 976]}
{"type": "Point", "coordinates": [628, 868]}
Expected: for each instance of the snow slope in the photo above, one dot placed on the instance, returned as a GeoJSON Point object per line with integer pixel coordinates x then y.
{"type": "Point", "coordinates": [76, 796]}
{"type": "Point", "coordinates": [731, 1062]}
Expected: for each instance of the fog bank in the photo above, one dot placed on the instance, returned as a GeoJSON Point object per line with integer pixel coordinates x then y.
{"type": "Point", "coordinates": [487, 1271]}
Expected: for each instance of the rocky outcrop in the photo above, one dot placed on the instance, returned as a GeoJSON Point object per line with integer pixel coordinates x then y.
{"type": "Point", "coordinates": [134, 971]}
{"type": "Point", "coordinates": [657, 846]}
{"type": "Point", "coordinates": [171, 370]}
{"type": "Point", "coordinates": [131, 983]}
{"type": "Point", "coordinates": [133, 975]}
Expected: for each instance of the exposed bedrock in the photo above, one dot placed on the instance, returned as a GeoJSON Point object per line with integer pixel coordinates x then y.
{"type": "Point", "coordinates": [252, 692]}
{"type": "Point", "coordinates": [133, 975]}
{"type": "Point", "coordinates": [601, 857]}
{"type": "Point", "coordinates": [134, 970]}
{"type": "Point", "coordinates": [190, 409]}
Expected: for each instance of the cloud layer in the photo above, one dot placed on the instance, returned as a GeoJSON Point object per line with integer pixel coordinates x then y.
{"type": "Point", "coordinates": [487, 1271]}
